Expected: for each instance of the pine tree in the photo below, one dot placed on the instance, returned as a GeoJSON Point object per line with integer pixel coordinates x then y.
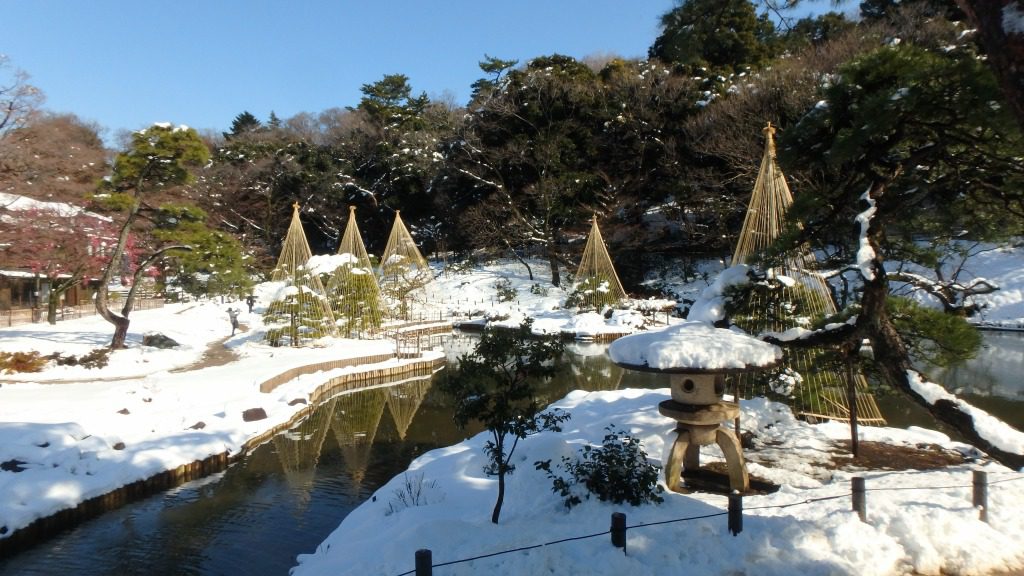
{"type": "Point", "coordinates": [244, 123]}
{"type": "Point", "coordinates": [295, 316]}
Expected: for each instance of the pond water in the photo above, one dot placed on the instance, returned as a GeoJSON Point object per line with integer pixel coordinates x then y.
{"type": "Point", "coordinates": [290, 493]}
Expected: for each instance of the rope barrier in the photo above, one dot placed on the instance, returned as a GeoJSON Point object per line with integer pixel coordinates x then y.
{"type": "Point", "coordinates": [702, 517]}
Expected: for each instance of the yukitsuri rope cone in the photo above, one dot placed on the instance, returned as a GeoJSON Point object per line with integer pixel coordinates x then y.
{"type": "Point", "coordinates": [352, 288]}
{"type": "Point", "coordinates": [402, 269]}
{"type": "Point", "coordinates": [813, 380]}
{"type": "Point", "coordinates": [300, 312]}
{"type": "Point", "coordinates": [597, 284]}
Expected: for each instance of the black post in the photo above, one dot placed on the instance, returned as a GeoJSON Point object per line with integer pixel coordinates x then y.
{"type": "Point", "coordinates": [619, 530]}
{"type": "Point", "coordinates": [980, 496]}
{"type": "Point", "coordinates": [859, 498]}
{"type": "Point", "coordinates": [735, 513]}
{"type": "Point", "coordinates": [424, 562]}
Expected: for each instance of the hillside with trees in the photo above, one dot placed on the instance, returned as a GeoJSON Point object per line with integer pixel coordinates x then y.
{"type": "Point", "coordinates": [911, 97]}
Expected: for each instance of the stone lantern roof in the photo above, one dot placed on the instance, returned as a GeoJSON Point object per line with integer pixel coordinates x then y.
{"type": "Point", "coordinates": [693, 347]}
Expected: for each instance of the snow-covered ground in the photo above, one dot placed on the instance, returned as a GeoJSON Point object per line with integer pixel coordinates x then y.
{"type": "Point", "coordinates": [74, 433]}
{"type": "Point", "coordinates": [917, 522]}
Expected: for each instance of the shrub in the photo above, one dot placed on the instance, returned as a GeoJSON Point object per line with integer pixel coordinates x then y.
{"type": "Point", "coordinates": [618, 472]}
{"type": "Point", "coordinates": [97, 358]}
{"type": "Point", "coordinates": [15, 362]}
{"type": "Point", "coordinates": [538, 290]}
{"type": "Point", "coordinates": [506, 293]}
{"type": "Point", "coordinates": [414, 492]}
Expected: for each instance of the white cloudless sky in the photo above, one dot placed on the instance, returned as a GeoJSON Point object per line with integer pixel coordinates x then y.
{"type": "Point", "coordinates": [127, 64]}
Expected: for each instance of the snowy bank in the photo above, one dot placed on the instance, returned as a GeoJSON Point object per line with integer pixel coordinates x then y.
{"type": "Point", "coordinates": [918, 522]}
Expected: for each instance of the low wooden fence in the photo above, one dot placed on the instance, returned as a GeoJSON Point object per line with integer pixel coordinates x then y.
{"type": "Point", "coordinates": [18, 316]}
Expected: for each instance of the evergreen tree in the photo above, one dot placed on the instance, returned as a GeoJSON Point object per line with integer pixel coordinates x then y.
{"type": "Point", "coordinates": [214, 266]}
{"type": "Point", "coordinates": [909, 138]}
{"type": "Point", "coordinates": [716, 35]}
{"type": "Point", "coordinates": [495, 385]}
{"type": "Point", "coordinates": [496, 68]}
{"type": "Point", "coordinates": [293, 318]}
{"type": "Point", "coordinates": [244, 123]}
{"type": "Point", "coordinates": [158, 159]}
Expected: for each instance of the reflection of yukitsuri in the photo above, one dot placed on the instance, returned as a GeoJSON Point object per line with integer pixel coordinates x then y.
{"type": "Point", "coordinates": [354, 424]}
{"type": "Point", "coordinates": [299, 450]}
{"type": "Point", "coordinates": [811, 380]}
{"type": "Point", "coordinates": [595, 373]}
{"type": "Point", "coordinates": [402, 269]}
{"type": "Point", "coordinates": [352, 288]}
{"type": "Point", "coordinates": [298, 312]}
{"type": "Point", "coordinates": [404, 401]}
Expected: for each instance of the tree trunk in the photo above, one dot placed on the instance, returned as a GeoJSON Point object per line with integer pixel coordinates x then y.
{"type": "Point", "coordinates": [102, 307]}
{"type": "Point", "coordinates": [120, 332]}
{"type": "Point", "coordinates": [51, 306]}
{"type": "Point", "coordinates": [501, 495]}
{"type": "Point", "coordinates": [1004, 49]}
{"type": "Point", "coordinates": [891, 356]}
{"type": "Point", "coordinates": [556, 279]}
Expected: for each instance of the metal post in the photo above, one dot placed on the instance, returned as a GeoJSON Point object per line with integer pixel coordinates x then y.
{"type": "Point", "coordinates": [424, 562]}
{"type": "Point", "coordinates": [980, 496]}
{"type": "Point", "coordinates": [735, 513]}
{"type": "Point", "coordinates": [859, 498]}
{"type": "Point", "coordinates": [618, 530]}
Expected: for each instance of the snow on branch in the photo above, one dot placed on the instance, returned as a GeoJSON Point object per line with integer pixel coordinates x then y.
{"type": "Point", "coordinates": [866, 253]}
{"type": "Point", "coordinates": [989, 428]}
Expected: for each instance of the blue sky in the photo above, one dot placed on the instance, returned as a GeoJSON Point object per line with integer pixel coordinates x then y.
{"type": "Point", "coordinates": [125, 65]}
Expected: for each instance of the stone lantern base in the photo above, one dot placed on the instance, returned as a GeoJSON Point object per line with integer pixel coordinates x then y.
{"type": "Point", "coordinates": [699, 425]}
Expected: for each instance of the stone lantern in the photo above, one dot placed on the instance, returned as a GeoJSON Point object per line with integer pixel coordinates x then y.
{"type": "Point", "coordinates": [697, 356]}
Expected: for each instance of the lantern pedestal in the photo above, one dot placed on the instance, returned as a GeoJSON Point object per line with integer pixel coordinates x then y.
{"type": "Point", "coordinates": [700, 426]}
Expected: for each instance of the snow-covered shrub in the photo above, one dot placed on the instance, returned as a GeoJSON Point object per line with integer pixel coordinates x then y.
{"type": "Point", "coordinates": [506, 293]}
{"type": "Point", "coordinates": [592, 293]}
{"type": "Point", "coordinates": [616, 472]}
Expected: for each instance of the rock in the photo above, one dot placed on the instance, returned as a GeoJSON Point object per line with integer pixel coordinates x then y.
{"type": "Point", "coordinates": [123, 411]}
{"type": "Point", "coordinates": [158, 340]}
{"type": "Point", "coordinates": [253, 414]}
{"type": "Point", "coordinates": [297, 401]}
{"type": "Point", "coordinates": [198, 425]}
{"type": "Point", "coordinates": [118, 446]}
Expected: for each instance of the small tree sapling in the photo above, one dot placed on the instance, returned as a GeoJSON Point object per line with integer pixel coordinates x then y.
{"type": "Point", "coordinates": [494, 385]}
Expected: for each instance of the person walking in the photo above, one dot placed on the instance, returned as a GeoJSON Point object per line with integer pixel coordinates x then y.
{"type": "Point", "coordinates": [233, 314]}
{"type": "Point", "coordinates": [250, 300]}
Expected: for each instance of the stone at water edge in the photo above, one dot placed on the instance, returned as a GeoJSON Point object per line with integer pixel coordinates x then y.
{"type": "Point", "coordinates": [254, 414]}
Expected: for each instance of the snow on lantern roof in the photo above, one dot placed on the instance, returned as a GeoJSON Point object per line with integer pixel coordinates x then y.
{"type": "Point", "coordinates": [693, 347]}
